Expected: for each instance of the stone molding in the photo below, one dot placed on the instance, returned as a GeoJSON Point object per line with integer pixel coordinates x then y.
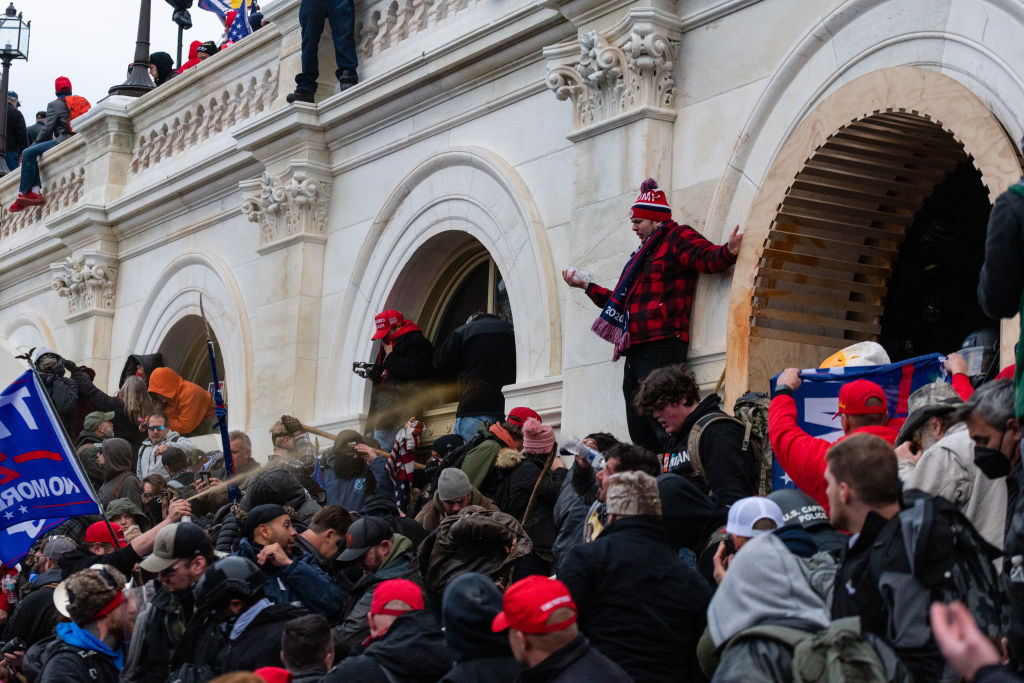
{"type": "Point", "coordinates": [204, 120]}
{"type": "Point", "coordinates": [286, 206]}
{"type": "Point", "coordinates": [609, 73]}
{"type": "Point", "coordinates": [60, 195]}
{"type": "Point", "coordinates": [87, 282]}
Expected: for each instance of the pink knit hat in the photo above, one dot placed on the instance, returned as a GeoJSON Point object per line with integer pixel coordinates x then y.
{"type": "Point", "coordinates": [537, 438]}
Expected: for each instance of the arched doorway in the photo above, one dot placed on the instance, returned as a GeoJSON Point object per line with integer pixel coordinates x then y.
{"type": "Point", "coordinates": [449, 278]}
{"type": "Point", "coordinates": [184, 350]}
{"type": "Point", "coordinates": [846, 224]}
{"type": "Point", "coordinates": [880, 237]}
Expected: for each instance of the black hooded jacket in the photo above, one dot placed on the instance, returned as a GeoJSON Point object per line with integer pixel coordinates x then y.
{"type": "Point", "coordinates": [119, 480]}
{"type": "Point", "coordinates": [149, 363]}
{"type": "Point", "coordinates": [576, 662]}
{"type": "Point", "coordinates": [408, 367]}
{"type": "Point", "coordinates": [36, 616]}
{"type": "Point", "coordinates": [482, 355]}
{"type": "Point", "coordinates": [730, 473]}
{"type": "Point", "coordinates": [413, 651]}
{"type": "Point", "coordinates": [259, 644]}
{"type": "Point", "coordinates": [268, 486]}
{"type": "Point", "coordinates": [164, 64]}
{"type": "Point", "coordinates": [638, 602]}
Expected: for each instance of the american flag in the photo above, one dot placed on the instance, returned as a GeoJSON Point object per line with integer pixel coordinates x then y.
{"type": "Point", "coordinates": [402, 462]}
{"type": "Point", "coordinates": [240, 26]}
{"type": "Point", "coordinates": [220, 7]}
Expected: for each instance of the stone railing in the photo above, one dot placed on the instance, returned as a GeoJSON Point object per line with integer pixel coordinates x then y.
{"type": "Point", "coordinates": [200, 104]}
{"type": "Point", "coordinates": [63, 175]}
{"type": "Point", "coordinates": [384, 24]}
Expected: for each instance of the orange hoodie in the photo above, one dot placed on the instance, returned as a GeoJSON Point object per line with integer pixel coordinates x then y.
{"type": "Point", "coordinates": [189, 405]}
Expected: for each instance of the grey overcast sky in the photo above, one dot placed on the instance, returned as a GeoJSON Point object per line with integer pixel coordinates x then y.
{"type": "Point", "coordinates": [92, 42]}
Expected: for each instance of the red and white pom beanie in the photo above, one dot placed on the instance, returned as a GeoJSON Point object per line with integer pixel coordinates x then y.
{"type": "Point", "coordinates": [651, 203]}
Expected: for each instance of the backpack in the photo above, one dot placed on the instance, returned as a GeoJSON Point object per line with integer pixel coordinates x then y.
{"type": "Point", "coordinates": [836, 653]}
{"type": "Point", "coordinates": [453, 459]}
{"type": "Point", "coordinates": [751, 413]}
{"type": "Point", "coordinates": [948, 560]}
{"type": "Point", "coordinates": [77, 105]}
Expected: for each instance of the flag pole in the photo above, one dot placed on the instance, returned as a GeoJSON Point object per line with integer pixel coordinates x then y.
{"type": "Point", "coordinates": [70, 447]}
{"type": "Point", "coordinates": [220, 409]}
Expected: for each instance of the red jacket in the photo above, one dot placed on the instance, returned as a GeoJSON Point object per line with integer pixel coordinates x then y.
{"type": "Point", "coordinates": [801, 455]}
{"type": "Point", "coordinates": [660, 306]}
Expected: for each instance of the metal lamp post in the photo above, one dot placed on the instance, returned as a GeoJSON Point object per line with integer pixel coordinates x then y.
{"type": "Point", "coordinates": [139, 81]}
{"type": "Point", "coordinates": [14, 34]}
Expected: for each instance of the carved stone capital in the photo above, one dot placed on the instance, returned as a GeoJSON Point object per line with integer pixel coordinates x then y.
{"type": "Point", "coordinates": [610, 73]}
{"type": "Point", "coordinates": [286, 205]}
{"type": "Point", "coordinates": [87, 282]}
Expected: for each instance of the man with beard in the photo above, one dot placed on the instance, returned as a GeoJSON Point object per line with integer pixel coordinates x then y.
{"type": "Point", "coordinates": [270, 542]}
{"type": "Point", "coordinates": [91, 646]}
{"type": "Point", "coordinates": [352, 471]}
{"type": "Point", "coordinates": [181, 555]}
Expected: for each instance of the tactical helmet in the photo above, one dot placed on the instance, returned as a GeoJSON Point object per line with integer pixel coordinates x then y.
{"type": "Point", "coordinates": [986, 339]}
{"type": "Point", "coordinates": [229, 578]}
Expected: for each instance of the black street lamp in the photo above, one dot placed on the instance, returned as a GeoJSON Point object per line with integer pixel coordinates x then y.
{"type": "Point", "coordinates": [139, 81]}
{"type": "Point", "coordinates": [14, 35]}
{"type": "Point", "coordinates": [181, 17]}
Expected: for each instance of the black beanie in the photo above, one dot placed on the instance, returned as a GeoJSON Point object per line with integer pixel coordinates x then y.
{"type": "Point", "coordinates": [261, 514]}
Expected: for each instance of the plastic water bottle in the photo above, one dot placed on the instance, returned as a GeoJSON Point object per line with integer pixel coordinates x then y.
{"type": "Point", "coordinates": [577, 447]}
{"type": "Point", "coordinates": [9, 589]}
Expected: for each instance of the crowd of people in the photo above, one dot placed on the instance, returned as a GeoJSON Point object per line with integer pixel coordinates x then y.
{"type": "Point", "coordinates": [896, 556]}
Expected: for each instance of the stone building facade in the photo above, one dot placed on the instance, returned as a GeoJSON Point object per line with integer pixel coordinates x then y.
{"type": "Point", "coordinates": [488, 145]}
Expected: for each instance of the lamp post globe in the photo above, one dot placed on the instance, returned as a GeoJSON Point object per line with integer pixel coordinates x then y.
{"type": "Point", "coordinates": [14, 39]}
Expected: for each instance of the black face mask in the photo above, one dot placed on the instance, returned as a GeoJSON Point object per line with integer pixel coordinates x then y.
{"type": "Point", "coordinates": [992, 462]}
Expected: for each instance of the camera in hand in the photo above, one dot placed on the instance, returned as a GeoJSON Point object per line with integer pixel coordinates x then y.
{"type": "Point", "coordinates": [13, 645]}
{"type": "Point", "coordinates": [366, 370]}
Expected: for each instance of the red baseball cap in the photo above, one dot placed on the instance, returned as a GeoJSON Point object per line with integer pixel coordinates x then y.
{"type": "Point", "coordinates": [528, 604]}
{"type": "Point", "coordinates": [384, 321]}
{"type": "Point", "coordinates": [518, 416]}
{"type": "Point", "coordinates": [99, 532]}
{"type": "Point", "coordinates": [853, 398]}
{"type": "Point", "coordinates": [396, 589]}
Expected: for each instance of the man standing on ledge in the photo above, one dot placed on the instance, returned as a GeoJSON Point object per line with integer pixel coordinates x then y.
{"type": "Point", "coordinates": [342, 17]}
{"type": "Point", "coordinates": [647, 316]}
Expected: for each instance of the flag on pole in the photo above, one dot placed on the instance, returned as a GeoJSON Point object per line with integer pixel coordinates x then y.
{"type": "Point", "coordinates": [41, 483]}
{"type": "Point", "coordinates": [218, 7]}
{"type": "Point", "coordinates": [817, 399]}
{"type": "Point", "coordinates": [240, 26]}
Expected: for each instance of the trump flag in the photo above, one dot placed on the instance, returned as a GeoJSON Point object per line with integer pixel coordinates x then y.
{"type": "Point", "coordinates": [40, 480]}
{"type": "Point", "coordinates": [817, 399]}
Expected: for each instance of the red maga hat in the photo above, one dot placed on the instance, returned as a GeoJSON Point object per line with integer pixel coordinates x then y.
{"type": "Point", "coordinates": [384, 321]}
{"type": "Point", "coordinates": [396, 589]}
{"type": "Point", "coordinates": [853, 399]}
{"type": "Point", "coordinates": [528, 604]}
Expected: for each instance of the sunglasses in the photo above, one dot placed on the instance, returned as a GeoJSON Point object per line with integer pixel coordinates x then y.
{"type": "Point", "coordinates": [156, 428]}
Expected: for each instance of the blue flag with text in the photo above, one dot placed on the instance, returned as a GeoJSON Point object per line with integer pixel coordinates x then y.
{"type": "Point", "coordinates": [817, 399]}
{"type": "Point", "coordinates": [40, 480]}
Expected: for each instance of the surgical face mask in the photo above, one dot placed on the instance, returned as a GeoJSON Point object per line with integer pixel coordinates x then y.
{"type": "Point", "coordinates": [992, 462]}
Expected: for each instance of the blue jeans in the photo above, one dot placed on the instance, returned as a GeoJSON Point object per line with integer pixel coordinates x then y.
{"type": "Point", "coordinates": [342, 17]}
{"type": "Point", "coordinates": [12, 160]}
{"type": "Point", "coordinates": [30, 165]}
{"type": "Point", "coordinates": [467, 426]}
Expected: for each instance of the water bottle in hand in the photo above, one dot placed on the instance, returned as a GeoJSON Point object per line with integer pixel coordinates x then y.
{"type": "Point", "coordinates": [577, 447]}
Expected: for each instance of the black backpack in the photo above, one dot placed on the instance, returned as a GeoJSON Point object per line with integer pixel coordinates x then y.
{"type": "Point", "coordinates": [751, 414]}
{"type": "Point", "coordinates": [948, 560]}
{"type": "Point", "coordinates": [453, 459]}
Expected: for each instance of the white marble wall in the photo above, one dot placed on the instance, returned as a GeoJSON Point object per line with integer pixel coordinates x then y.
{"type": "Point", "coordinates": [453, 128]}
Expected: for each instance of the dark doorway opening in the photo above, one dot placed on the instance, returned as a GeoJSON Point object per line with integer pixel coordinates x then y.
{"type": "Point", "coordinates": [931, 304]}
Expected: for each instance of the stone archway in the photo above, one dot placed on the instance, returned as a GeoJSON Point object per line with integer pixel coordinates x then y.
{"type": "Point", "coordinates": [173, 307]}
{"type": "Point", "coordinates": [826, 224]}
{"type": "Point", "coordinates": [468, 191]}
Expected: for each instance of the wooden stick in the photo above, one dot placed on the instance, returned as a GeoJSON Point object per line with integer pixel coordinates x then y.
{"type": "Point", "coordinates": [536, 486]}
{"type": "Point", "coordinates": [320, 432]}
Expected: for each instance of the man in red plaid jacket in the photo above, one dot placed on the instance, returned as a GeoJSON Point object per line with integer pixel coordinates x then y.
{"type": "Point", "coordinates": [653, 300]}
